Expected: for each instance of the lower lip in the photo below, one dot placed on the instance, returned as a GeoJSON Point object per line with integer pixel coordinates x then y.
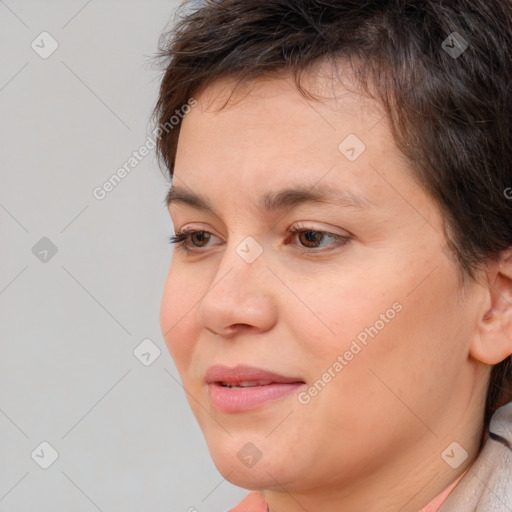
{"type": "Point", "coordinates": [227, 399]}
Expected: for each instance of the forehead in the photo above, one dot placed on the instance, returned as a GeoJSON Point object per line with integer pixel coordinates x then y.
{"type": "Point", "coordinates": [269, 113]}
{"type": "Point", "coordinates": [332, 88]}
{"type": "Point", "coordinates": [265, 135]}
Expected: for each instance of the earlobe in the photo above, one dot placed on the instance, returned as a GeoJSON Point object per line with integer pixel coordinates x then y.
{"type": "Point", "coordinates": [493, 342]}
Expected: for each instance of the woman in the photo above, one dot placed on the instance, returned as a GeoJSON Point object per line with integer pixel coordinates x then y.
{"type": "Point", "coordinates": [339, 304]}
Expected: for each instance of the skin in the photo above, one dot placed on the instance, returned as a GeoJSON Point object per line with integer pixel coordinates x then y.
{"type": "Point", "coordinates": [372, 439]}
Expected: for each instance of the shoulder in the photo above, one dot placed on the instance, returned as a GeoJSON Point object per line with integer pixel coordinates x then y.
{"type": "Point", "coordinates": [253, 502]}
{"type": "Point", "coordinates": [488, 483]}
{"type": "Point", "coordinates": [501, 423]}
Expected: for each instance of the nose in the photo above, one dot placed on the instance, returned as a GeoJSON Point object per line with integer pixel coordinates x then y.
{"type": "Point", "coordinates": [239, 298]}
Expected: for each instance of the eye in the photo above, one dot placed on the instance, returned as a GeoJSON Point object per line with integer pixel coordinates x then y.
{"type": "Point", "coordinates": [198, 238]}
{"type": "Point", "coordinates": [310, 238]}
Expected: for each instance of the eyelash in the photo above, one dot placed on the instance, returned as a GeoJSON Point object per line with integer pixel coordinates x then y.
{"type": "Point", "coordinates": [181, 237]}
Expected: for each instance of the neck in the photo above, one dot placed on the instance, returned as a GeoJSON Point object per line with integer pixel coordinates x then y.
{"type": "Point", "coordinates": [420, 480]}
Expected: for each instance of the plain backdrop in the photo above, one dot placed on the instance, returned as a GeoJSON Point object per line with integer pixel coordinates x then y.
{"type": "Point", "coordinates": [81, 278]}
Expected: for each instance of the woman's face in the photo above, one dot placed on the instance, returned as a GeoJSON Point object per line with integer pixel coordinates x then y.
{"type": "Point", "coordinates": [373, 327]}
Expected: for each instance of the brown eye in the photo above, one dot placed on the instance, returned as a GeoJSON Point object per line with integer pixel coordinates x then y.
{"type": "Point", "coordinates": [306, 237]}
{"type": "Point", "coordinates": [192, 240]}
{"type": "Point", "coordinates": [310, 238]}
{"type": "Point", "coordinates": [201, 236]}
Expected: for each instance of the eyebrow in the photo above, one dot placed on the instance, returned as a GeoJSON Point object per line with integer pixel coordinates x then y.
{"type": "Point", "coordinates": [276, 201]}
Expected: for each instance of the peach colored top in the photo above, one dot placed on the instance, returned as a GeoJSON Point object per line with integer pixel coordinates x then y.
{"type": "Point", "coordinates": [255, 501]}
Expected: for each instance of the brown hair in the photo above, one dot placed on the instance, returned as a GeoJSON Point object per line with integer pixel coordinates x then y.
{"type": "Point", "coordinates": [449, 105]}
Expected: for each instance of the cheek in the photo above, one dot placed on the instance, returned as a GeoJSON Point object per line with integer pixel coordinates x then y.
{"type": "Point", "coordinates": [418, 356]}
{"type": "Point", "coordinates": [350, 314]}
{"type": "Point", "coordinates": [391, 341]}
{"type": "Point", "coordinates": [177, 316]}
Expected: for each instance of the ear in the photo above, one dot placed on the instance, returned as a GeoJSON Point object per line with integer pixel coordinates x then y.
{"type": "Point", "coordinates": [493, 343]}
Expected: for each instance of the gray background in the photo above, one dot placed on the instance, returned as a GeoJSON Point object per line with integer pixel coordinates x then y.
{"type": "Point", "coordinates": [125, 437]}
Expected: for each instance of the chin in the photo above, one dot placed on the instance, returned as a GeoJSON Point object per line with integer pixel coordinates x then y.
{"type": "Point", "coordinates": [250, 465]}
{"type": "Point", "coordinates": [256, 478]}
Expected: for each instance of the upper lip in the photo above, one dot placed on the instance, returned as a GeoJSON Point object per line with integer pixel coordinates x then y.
{"type": "Point", "coordinates": [242, 372]}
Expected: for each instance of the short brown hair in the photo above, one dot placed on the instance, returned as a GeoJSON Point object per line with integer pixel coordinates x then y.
{"type": "Point", "coordinates": [449, 105]}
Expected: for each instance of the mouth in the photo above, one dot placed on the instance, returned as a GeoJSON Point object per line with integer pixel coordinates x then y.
{"type": "Point", "coordinates": [244, 388]}
{"type": "Point", "coordinates": [246, 384]}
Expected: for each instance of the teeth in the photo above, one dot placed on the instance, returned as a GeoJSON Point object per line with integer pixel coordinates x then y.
{"type": "Point", "coordinates": [247, 383]}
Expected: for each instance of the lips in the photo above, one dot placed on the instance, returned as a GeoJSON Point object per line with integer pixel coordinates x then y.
{"type": "Point", "coordinates": [244, 388]}
{"type": "Point", "coordinates": [245, 376]}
